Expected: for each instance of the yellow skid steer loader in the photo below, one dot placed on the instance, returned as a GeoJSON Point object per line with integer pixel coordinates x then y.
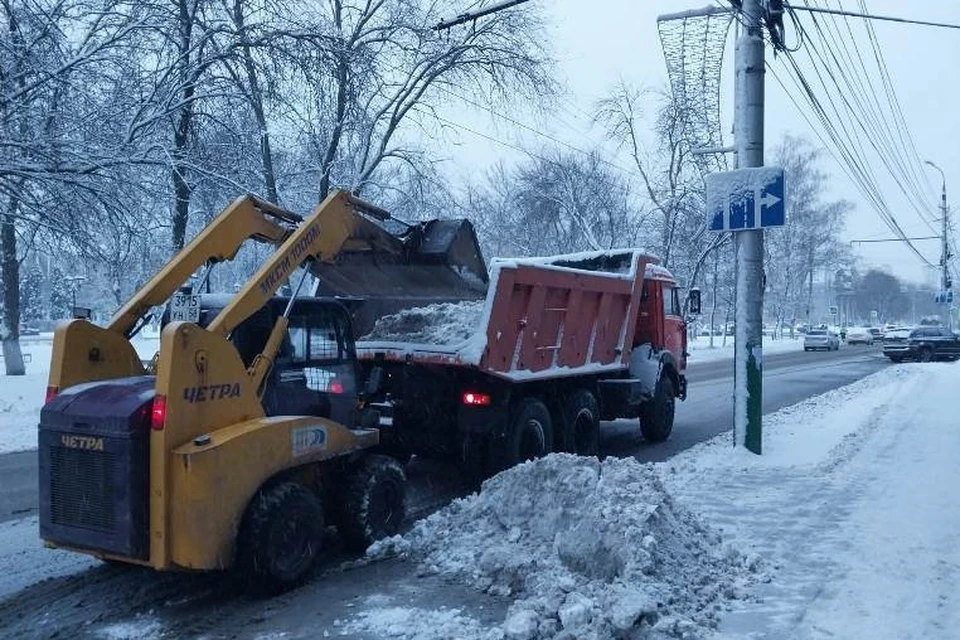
{"type": "Point", "coordinates": [246, 433]}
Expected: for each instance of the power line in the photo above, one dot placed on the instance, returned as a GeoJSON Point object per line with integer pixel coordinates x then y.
{"type": "Point", "coordinates": [869, 16]}
{"type": "Point", "coordinates": [895, 239]}
{"type": "Point", "coordinates": [847, 143]}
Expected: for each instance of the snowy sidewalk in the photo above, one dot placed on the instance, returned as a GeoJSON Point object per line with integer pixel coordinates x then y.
{"type": "Point", "coordinates": [854, 508]}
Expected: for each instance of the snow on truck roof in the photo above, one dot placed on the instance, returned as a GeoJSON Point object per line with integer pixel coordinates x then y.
{"type": "Point", "coordinates": [617, 262]}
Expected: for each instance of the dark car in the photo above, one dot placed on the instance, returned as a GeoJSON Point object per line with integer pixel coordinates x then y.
{"type": "Point", "coordinates": [922, 344]}
{"type": "Point", "coordinates": [29, 331]}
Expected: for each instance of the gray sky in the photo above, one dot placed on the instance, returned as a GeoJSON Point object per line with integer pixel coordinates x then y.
{"type": "Point", "coordinates": [599, 42]}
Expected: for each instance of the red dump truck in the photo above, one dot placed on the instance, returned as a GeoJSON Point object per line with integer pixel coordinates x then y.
{"type": "Point", "coordinates": [557, 345]}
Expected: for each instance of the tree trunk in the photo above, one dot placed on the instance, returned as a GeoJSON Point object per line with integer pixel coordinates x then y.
{"type": "Point", "coordinates": [256, 101]}
{"type": "Point", "coordinates": [342, 74]}
{"type": "Point", "coordinates": [12, 357]}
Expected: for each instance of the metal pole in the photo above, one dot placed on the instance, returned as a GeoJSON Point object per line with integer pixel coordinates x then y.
{"type": "Point", "coordinates": [945, 249]}
{"type": "Point", "coordinates": [945, 266]}
{"type": "Point", "coordinates": [748, 344]}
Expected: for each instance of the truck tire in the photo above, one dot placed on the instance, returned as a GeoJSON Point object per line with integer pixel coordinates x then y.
{"type": "Point", "coordinates": [656, 414]}
{"type": "Point", "coordinates": [280, 538]}
{"type": "Point", "coordinates": [925, 355]}
{"type": "Point", "coordinates": [374, 505]}
{"type": "Point", "coordinates": [529, 435]}
{"type": "Point", "coordinates": [580, 424]}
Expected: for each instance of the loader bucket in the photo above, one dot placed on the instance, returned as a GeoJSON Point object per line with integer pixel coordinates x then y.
{"type": "Point", "coordinates": [408, 266]}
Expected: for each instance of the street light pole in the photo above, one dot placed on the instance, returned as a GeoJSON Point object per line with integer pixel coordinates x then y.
{"type": "Point", "coordinates": [945, 284]}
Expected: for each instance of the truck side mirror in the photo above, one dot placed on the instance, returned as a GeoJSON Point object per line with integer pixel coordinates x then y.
{"type": "Point", "coordinates": [693, 301]}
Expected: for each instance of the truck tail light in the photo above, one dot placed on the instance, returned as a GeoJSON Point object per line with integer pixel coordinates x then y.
{"type": "Point", "coordinates": [51, 393]}
{"type": "Point", "coordinates": [335, 386]}
{"type": "Point", "coordinates": [476, 399]}
{"type": "Point", "coordinates": [158, 415]}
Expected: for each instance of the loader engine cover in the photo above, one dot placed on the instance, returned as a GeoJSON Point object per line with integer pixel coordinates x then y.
{"type": "Point", "coordinates": [94, 467]}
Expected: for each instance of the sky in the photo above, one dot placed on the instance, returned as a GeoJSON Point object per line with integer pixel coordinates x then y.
{"type": "Point", "coordinates": [599, 43]}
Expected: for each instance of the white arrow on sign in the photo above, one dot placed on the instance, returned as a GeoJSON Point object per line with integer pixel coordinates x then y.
{"type": "Point", "coordinates": [760, 201]}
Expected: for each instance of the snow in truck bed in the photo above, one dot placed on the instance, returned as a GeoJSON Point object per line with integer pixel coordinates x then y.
{"type": "Point", "coordinates": [445, 323]}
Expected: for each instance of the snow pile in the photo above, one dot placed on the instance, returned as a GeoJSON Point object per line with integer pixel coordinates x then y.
{"type": "Point", "coordinates": [141, 628]}
{"type": "Point", "coordinates": [586, 549]}
{"type": "Point", "coordinates": [444, 323]}
{"type": "Point", "coordinates": [414, 623]}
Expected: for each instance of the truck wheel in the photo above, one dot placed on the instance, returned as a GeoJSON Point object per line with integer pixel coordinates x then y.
{"type": "Point", "coordinates": [280, 537]}
{"type": "Point", "coordinates": [529, 436]}
{"type": "Point", "coordinates": [374, 505]}
{"type": "Point", "coordinates": [926, 355]}
{"type": "Point", "coordinates": [656, 414]}
{"type": "Point", "coordinates": [580, 426]}
{"type": "Point", "coordinates": [895, 359]}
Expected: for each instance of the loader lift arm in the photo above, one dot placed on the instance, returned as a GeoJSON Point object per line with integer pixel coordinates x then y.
{"type": "Point", "coordinates": [84, 352]}
{"type": "Point", "coordinates": [246, 217]}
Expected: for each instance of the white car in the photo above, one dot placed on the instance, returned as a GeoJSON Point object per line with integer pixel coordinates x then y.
{"type": "Point", "coordinates": [859, 335]}
{"type": "Point", "coordinates": [821, 339]}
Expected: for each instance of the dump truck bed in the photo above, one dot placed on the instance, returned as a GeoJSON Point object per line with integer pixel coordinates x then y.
{"type": "Point", "coordinates": [541, 318]}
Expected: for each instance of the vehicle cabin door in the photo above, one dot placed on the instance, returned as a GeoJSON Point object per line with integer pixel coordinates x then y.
{"type": "Point", "coordinates": [650, 317]}
{"type": "Point", "coordinates": [316, 369]}
{"type": "Point", "coordinates": [674, 327]}
{"type": "Point", "coordinates": [950, 343]}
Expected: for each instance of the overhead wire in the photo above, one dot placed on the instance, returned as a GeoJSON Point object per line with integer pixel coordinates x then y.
{"type": "Point", "coordinates": [856, 112]}
{"type": "Point", "coordinates": [840, 122]}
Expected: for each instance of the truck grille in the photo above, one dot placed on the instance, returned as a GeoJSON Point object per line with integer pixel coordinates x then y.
{"type": "Point", "coordinates": [80, 484]}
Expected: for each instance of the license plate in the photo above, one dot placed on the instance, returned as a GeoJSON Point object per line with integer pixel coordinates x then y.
{"type": "Point", "coordinates": [185, 307]}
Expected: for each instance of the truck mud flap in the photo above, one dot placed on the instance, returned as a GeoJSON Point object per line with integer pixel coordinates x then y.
{"type": "Point", "coordinates": [621, 398]}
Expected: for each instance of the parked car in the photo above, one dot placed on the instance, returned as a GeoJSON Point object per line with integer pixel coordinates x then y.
{"type": "Point", "coordinates": [876, 332]}
{"type": "Point", "coordinates": [821, 339]}
{"type": "Point", "coordinates": [859, 335]}
{"type": "Point", "coordinates": [922, 344]}
{"type": "Point", "coordinates": [29, 331]}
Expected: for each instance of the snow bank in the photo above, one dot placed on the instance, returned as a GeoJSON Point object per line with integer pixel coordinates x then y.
{"type": "Point", "coordinates": [414, 623]}
{"type": "Point", "coordinates": [586, 549]}
{"type": "Point", "coordinates": [22, 397]}
{"type": "Point", "coordinates": [701, 351]}
{"type": "Point", "coordinates": [441, 324]}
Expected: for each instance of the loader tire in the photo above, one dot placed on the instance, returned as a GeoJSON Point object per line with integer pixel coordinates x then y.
{"type": "Point", "coordinates": [280, 538]}
{"type": "Point", "coordinates": [374, 504]}
{"type": "Point", "coordinates": [529, 435]}
{"type": "Point", "coordinates": [580, 424]}
{"type": "Point", "coordinates": [656, 414]}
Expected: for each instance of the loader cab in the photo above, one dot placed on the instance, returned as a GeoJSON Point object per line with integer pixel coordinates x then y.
{"type": "Point", "coordinates": [316, 370]}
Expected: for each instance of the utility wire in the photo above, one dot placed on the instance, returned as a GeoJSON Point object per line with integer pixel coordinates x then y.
{"type": "Point", "coordinates": [869, 16]}
{"type": "Point", "coordinates": [883, 144]}
{"type": "Point", "coordinates": [846, 141]}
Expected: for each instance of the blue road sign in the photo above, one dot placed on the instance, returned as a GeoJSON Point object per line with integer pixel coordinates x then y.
{"type": "Point", "coordinates": [745, 199]}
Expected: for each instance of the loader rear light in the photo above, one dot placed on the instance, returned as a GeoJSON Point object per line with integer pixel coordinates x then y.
{"type": "Point", "coordinates": [158, 415]}
{"type": "Point", "coordinates": [51, 393]}
{"type": "Point", "coordinates": [476, 399]}
{"type": "Point", "coordinates": [335, 386]}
